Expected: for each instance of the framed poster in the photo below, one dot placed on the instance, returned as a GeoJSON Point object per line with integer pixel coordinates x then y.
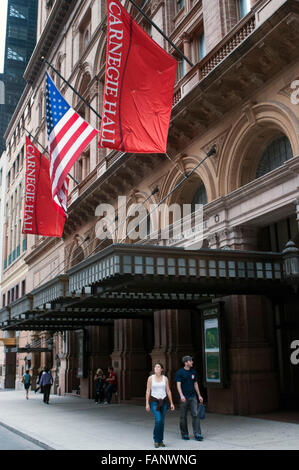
{"type": "Point", "coordinates": [213, 345]}
{"type": "Point", "coordinates": [81, 353]}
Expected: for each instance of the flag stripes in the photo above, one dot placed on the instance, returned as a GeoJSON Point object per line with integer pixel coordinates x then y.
{"type": "Point", "coordinates": [68, 135]}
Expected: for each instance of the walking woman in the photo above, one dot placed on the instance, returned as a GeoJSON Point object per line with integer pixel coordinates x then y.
{"type": "Point", "coordinates": [27, 382]}
{"type": "Point", "coordinates": [157, 391]}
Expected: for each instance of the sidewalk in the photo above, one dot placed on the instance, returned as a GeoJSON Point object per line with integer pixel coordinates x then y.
{"type": "Point", "coordinates": [69, 423]}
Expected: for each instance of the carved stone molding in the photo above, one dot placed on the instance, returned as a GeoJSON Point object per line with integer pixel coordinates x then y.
{"type": "Point", "coordinates": [238, 237]}
{"type": "Point", "coordinates": [287, 90]}
{"type": "Point", "coordinates": [249, 112]}
{"type": "Point", "coordinates": [213, 240]}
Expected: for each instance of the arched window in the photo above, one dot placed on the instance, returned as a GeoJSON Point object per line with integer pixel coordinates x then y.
{"type": "Point", "coordinates": [200, 197]}
{"type": "Point", "coordinates": [278, 152]}
{"type": "Point", "coordinates": [77, 256]}
{"type": "Point", "coordinates": [244, 7]}
{"type": "Point", "coordinates": [86, 39]}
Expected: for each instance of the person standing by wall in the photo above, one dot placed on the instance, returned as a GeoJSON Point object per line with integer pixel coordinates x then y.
{"type": "Point", "coordinates": [112, 385]}
{"type": "Point", "coordinates": [46, 382]}
{"type": "Point", "coordinates": [99, 379]}
{"type": "Point", "coordinates": [187, 385]}
{"type": "Point", "coordinates": [157, 391]}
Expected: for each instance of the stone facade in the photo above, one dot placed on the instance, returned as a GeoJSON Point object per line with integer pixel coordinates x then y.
{"type": "Point", "coordinates": [238, 96]}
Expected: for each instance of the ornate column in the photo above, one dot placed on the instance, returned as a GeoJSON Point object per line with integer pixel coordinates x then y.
{"type": "Point", "coordinates": [84, 166]}
{"type": "Point", "coordinates": [35, 362]}
{"type": "Point", "coordinates": [56, 362]}
{"type": "Point", "coordinates": [10, 360]}
{"type": "Point", "coordinates": [46, 357]}
{"type": "Point", "coordinates": [129, 358]}
{"type": "Point", "coordinates": [253, 383]}
{"type": "Point", "coordinates": [99, 350]}
{"type": "Point", "coordinates": [68, 365]}
{"type": "Point", "coordinates": [187, 49]}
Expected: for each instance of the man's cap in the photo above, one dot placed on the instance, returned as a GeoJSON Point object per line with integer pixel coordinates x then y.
{"type": "Point", "coordinates": [186, 358]}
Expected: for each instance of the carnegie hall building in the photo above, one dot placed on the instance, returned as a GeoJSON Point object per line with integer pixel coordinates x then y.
{"type": "Point", "coordinates": [80, 303]}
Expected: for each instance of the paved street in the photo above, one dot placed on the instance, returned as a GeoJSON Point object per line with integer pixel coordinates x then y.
{"type": "Point", "coordinates": [11, 441]}
{"type": "Point", "coordinates": [69, 423]}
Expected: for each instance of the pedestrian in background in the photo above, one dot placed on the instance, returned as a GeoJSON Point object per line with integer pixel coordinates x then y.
{"type": "Point", "coordinates": [27, 382]}
{"type": "Point", "coordinates": [187, 385]}
{"type": "Point", "coordinates": [99, 379]}
{"type": "Point", "coordinates": [112, 385]}
{"type": "Point", "coordinates": [46, 382]}
{"type": "Point", "coordinates": [157, 392]}
{"type": "Point", "coordinates": [37, 382]}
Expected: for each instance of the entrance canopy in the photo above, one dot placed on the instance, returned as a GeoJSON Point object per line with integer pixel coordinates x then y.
{"type": "Point", "coordinates": [133, 281]}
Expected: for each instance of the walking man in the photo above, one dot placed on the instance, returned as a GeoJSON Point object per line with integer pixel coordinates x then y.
{"type": "Point", "coordinates": [187, 384]}
{"type": "Point", "coordinates": [46, 382]}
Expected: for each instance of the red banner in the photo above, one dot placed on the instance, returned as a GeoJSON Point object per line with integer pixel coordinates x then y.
{"type": "Point", "coordinates": [42, 216]}
{"type": "Point", "coordinates": [139, 86]}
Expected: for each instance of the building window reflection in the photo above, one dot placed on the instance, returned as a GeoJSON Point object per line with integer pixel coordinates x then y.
{"type": "Point", "coordinates": [200, 197]}
{"type": "Point", "coordinates": [244, 7]}
{"type": "Point", "coordinates": [278, 152]}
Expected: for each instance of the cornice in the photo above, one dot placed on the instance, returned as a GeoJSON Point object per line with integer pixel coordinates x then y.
{"type": "Point", "coordinates": [60, 12]}
{"type": "Point", "coordinates": [270, 180]}
{"type": "Point", "coordinates": [40, 249]}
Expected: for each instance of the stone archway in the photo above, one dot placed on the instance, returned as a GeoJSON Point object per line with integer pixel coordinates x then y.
{"type": "Point", "coordinates": [82, 83]}
{"type": "Point", "coordinates": [186, 192]}
{"type": "Point", "coordinates": [249, 138]}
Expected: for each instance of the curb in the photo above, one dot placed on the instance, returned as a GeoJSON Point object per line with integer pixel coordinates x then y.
{"type": "Point", "coordinates": [25, 436]}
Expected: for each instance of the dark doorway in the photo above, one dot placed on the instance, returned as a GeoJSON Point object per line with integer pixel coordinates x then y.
{"type": "Point", "coordinates": [287, 331]}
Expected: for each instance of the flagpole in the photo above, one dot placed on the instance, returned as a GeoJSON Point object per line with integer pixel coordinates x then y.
{"type": "Point", "coordinates": [161, 32]}
{"type": "Point", "coordinates": [45, 150]}
{"type": "Point", "coordinates": [211, 152]}
{"type": "Point", "coordinates": [72, 88]}
{"type": "Point", "coordinates": [154, 191]}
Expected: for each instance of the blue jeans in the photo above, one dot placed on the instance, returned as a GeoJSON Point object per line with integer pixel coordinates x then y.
{"type": "Point", "coordinates": [109, 391]}
{"type": "Point", "coordinates": [159, 420]}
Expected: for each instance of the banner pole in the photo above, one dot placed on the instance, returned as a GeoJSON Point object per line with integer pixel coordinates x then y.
{"type": "Point", "coordinates": [154, 191]}
{"type": "Point", "coordinates": [161, 32]}
{"type": "Point", "coordinates": [211, 152]}
{"type": "Point", "coordinates": [72, 88]}
{"type": "Point", "coordinates": [46, 151]}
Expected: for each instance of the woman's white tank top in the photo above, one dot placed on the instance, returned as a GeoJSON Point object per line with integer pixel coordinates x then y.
{"type": "Point", "coordinates": [158, 389]}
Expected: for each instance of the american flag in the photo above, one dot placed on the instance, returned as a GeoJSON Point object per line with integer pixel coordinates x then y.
{"type": "Point", "coordinates": [68, 135]}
